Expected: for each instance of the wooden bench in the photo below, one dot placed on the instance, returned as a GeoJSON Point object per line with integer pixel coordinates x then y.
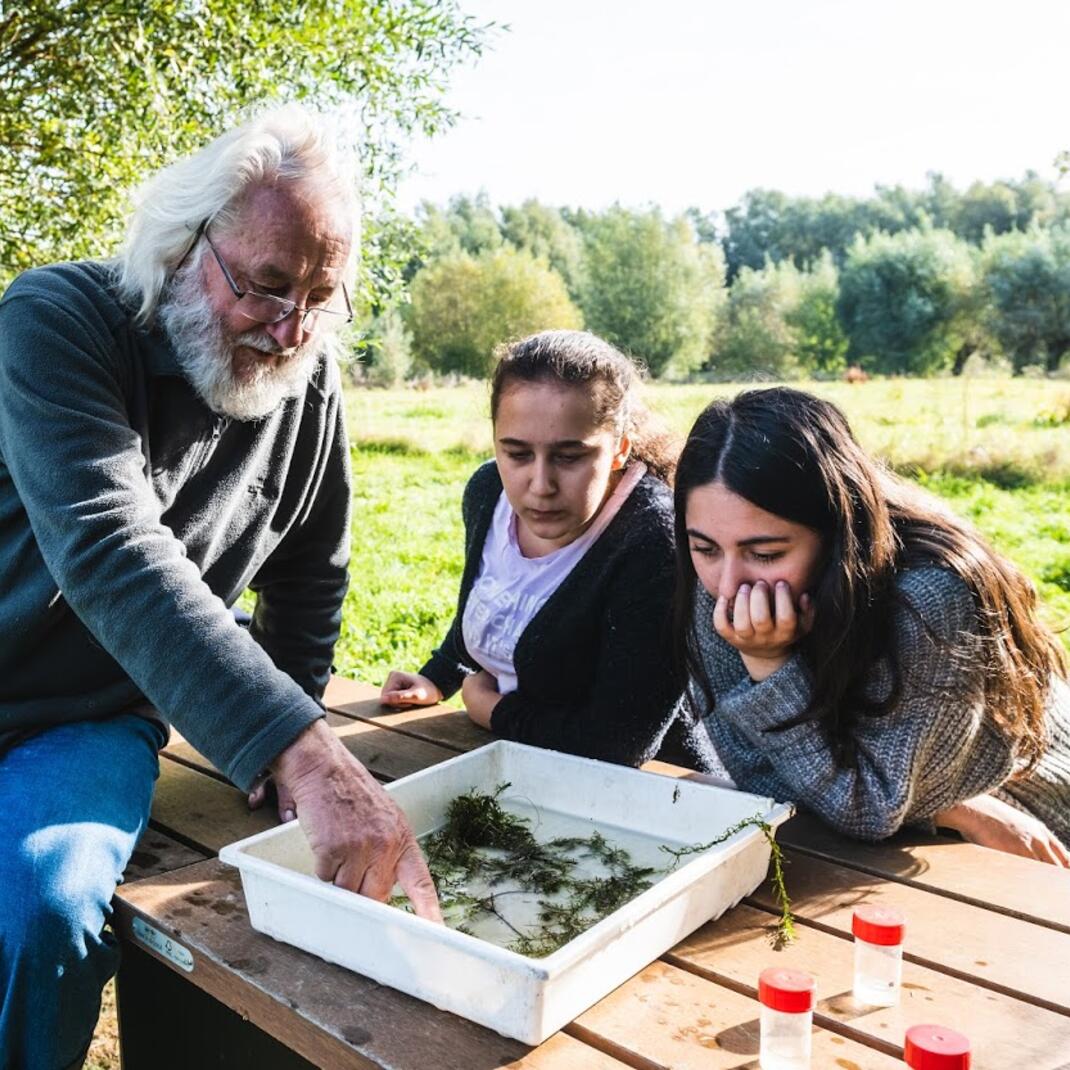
{"type": "Point", "coordinates": [988, 949]}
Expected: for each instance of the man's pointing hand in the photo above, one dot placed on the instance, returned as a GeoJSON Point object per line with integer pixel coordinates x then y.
{"type": "Point", "coordinates": [360, 839]}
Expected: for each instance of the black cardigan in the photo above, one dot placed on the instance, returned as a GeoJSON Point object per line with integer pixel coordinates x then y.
{"type": "Point", "coordinates": [593, 668]}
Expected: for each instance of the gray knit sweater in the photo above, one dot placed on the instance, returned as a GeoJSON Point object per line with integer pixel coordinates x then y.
{"type": "Point", "coordinates": [937, 746]}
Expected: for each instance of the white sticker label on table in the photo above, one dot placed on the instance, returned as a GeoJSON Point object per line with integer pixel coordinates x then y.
{"type": "Point", "coordinates": [163, 945]}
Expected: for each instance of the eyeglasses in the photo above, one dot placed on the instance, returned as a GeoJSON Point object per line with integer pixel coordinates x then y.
{"type": "Point", "coordinates": [266, 308]}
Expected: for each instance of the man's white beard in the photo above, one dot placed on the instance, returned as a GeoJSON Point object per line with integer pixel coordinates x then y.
{"type": "Point", "coordinates": [205, 354]}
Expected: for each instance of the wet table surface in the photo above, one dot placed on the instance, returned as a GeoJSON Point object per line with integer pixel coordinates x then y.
{"type": "Point", "coordinates": [987, 950]}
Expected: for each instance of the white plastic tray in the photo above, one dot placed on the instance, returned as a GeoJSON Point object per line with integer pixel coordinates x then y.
{"type": "Point", "coordinates": [525, 998]}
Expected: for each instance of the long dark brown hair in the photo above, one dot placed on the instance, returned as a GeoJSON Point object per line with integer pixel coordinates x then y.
{"type": "Point", "coordinates": [582, 359]}
{"type": "Point", "coordinates": [793, 455]}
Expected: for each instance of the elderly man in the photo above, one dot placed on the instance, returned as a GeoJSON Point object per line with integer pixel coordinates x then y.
{"type": "Point", "coordinates": [172, 432]}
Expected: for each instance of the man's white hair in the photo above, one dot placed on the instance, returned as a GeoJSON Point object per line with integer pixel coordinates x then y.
{"type": "Point", "coordinates": [284, 144]}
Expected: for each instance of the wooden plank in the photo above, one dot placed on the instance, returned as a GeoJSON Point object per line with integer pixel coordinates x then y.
{"type": "Point", "coordinates": [328, 1015]}
{"type": "Point", "coordinates": [158, 853]}
{"type": "Point", "coordinates": [185, 753]}
{"type": "Point", "coordinates": [1020, 887]}
{"type": "Point", "coordinates": [669, 1017]}
{"type": "Point", "coordinates": [343, 689]}
{"type": "Point", "coordinates": [202, 812]}
{"type": "Point", "coordinates": [440, 724]}
{"type": "Point", "coordinates": [436, 724]}
{"type": "Point", "coordinates": [1004, 1031]}
{"type": "Point", "coordinates": [993, 950]}
{"type": "Point", "coordinates": [386, 754]}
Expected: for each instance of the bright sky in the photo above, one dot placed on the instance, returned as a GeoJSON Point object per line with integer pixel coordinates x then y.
{"type": "Point", "coordinates": [692, 102]}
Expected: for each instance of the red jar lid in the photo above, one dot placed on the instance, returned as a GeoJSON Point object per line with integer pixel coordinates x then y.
{"type": "Point", "coordinates": [878, 925]}
{"type": "Point", "coordinates": [786, 990]}
{"type": "Point", "coordinates": [932, 1047]}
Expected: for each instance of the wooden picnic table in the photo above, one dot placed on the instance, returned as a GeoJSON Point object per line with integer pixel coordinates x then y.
{"type": "Point", "coordinates": [987, 949]}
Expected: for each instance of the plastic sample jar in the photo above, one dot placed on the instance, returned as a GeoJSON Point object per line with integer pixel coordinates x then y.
{"type": "Point", "coordinates": [878, 933]}
{"type": "Point", "coordinates": [932, 1047]}
{"type": "Point", "coordinates": [787, 999]}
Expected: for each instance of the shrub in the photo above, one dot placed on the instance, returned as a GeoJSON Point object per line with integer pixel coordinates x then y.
{"type": "Point", "coordinates": [463, 307]}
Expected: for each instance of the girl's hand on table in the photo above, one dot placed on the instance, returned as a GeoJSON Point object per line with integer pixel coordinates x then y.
{"type": "Point", "coordinates": [763, 625]}
{"type": "Point", "coordinates": [480, 695]}
{"type": "Point", "coordinates": [409, 689]}
{"type": "Point", "coordinates": [990, 822]}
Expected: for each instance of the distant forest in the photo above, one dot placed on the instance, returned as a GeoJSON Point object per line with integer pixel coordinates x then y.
{"type": "Point", "coordinates": [905, 282]}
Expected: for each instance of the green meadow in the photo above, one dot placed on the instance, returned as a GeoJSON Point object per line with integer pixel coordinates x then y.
{"type": "Point", "coordinates": [996, 450]}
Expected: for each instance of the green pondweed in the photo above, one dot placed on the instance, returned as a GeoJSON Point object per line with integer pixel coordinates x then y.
{"type": "Point", "coordinates": [483, 854]}
{"type": "Point", "coordinates": [785, 930]}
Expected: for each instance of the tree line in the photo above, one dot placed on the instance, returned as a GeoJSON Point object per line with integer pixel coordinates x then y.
{"type": "Point", "coordinates": [903, 283]}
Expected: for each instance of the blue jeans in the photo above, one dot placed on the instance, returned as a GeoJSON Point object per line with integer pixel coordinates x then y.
{"type": "Point", "coordinates": [73, 801]}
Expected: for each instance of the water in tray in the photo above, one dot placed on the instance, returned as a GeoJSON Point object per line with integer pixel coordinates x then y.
{"type": "Point", "coordinates": [599, 874]}
{"type": "Point", "coordinates": [514, 920]}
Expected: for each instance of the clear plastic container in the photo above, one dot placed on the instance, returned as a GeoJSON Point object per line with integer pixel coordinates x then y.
{"type": "Point", "coordinates": [787, 1016]}
{"type": "Point", "coordinates": [933, 1047]}
{"type": "Point", "coordinates": [878, 933]}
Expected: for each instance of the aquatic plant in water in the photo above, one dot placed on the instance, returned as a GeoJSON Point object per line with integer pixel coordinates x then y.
{"type": "Point", "coordinates": [482, 844]}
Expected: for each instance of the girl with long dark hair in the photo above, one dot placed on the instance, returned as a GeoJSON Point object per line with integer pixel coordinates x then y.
{"type": "Point", "coordinates": [853, 646]}
{"type": "Point", "coordinates": [561, 633]}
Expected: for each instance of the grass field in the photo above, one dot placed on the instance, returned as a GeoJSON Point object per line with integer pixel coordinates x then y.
{"type": "Point", "coordinates": [998, 451]}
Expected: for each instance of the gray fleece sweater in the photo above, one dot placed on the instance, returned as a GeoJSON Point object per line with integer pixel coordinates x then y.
{"type": "Point", "coordinates": [937, 746]}
{"type": "Point", "coordinates": [132, 517]}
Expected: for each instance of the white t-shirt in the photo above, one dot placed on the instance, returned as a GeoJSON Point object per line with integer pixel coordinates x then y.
{"type": "Point", "coordinates": [511, 588]}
